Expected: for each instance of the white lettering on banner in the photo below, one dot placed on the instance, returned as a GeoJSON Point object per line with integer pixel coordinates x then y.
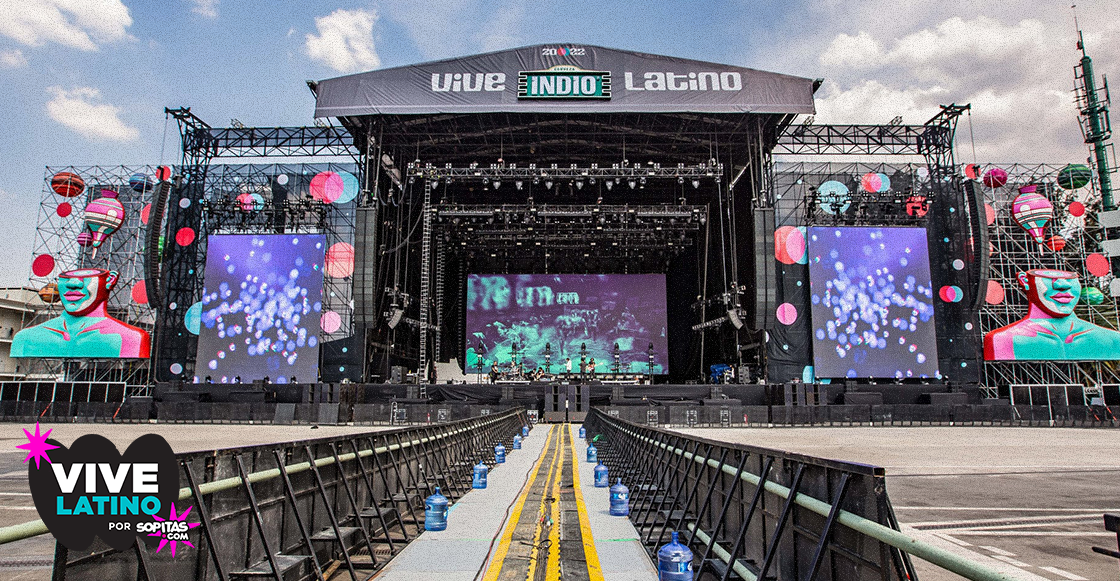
{"type": "Point", "coordinates": [667, 81]}
{"type": "Point", "coordinates": [473, 82]}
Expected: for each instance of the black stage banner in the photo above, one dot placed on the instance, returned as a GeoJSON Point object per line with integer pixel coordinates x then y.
{"type": "Point", "coordinates": [563, 79]}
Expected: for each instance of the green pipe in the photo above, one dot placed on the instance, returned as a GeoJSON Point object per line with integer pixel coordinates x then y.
{"type": "Point", "coordinates": [35, 528]}
{"type": "Point", "coordinates": [938, 556]}
{"type": "Point", "coordinates": [739, 568]}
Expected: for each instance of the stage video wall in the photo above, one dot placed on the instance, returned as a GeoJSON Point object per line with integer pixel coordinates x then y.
{"type": "Point", "coordinates": [513, 318]}
{"type": "Point", "coordinates": [261, 308]}
{"type": "Point", "coordinates": [872, 303]}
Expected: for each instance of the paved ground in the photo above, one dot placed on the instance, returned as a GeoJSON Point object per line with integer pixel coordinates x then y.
{"type": "Point", "coordinates": [1026, 500]}
{"type": "Point", "coordinates": [31, 559]}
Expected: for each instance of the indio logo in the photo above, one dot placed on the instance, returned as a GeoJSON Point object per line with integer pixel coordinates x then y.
{"type": "Point", "coordinates": [90, 489]}
{"type": "Point", "coordinates": [564, 82]}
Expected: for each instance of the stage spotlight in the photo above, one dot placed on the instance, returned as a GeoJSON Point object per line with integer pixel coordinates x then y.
{"type": "Point", "coordinates": [519, 184]}
{"type": "Point", "coordinates": [610, 184]}
{"type": "Point", "coordinates": [696, 184]}
{"type": "Point", "coordinates": [435, 184]}
{"type": "Point", "coordinates": [497, 183]}
{"type": "Point", "coordinates": [395, 316]}
{"type": "Point", "coordinates": [733, 316]}
{"type": "Point", "coordinates": [680, 179]}
{"type": "Point", "coordinates": [633, 183]}
{"type": "Point", "coordinates": [579, 184]}
{"type": "Point", "coordinates": [548, 185]}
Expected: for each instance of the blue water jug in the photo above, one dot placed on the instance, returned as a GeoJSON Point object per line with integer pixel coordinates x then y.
{"type": "Point", "coordinates": [674, 562]}
{"type": "Point", "coordinates": [592, 453]}
{"type": "Point", "coordinates": [499, 454]}
{"type": "Point", "coordinates": [525, 431]}
{"type": "Point", "coordinates": [478, 478]}
{"type": "Point", "coordinates": [516, 442]}
{"type": "Point", "coordinates": [601, 478]}
{"type": "Point", "coordinates": [582, 432]}
{"type": "Point", "coordinates": [620, 499]}
{"type": "Point", "coordinates": [435, 512]}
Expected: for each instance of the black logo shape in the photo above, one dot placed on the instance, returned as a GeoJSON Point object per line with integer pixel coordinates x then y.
{"type": "Point", "coordinates": [121, 492]}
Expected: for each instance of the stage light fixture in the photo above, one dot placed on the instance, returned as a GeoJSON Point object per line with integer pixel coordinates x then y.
{"type": "Point", "coordinates": [435, 184]}
{"type": "Point", "coordinates": [497, 183]}
{"type": "Point", "coordinates": [610, 184]}
{"type": "Point", "coordinates": [633, 183]}
{"type": "Point", "coordinates": [548, 185]}
{"type": "Point", "coordinates": [736, 320]}
{"type": "Point", "coordinates": [579, 184]}
{"type": "Point", "coordinates": [519, 184]}
{"type": "Point", "coordinates": [696, 184]}
{"type": "Point", "coordinates": [395, 316]}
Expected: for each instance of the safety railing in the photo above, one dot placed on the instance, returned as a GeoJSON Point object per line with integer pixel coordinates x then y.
{"type": "Point", "coordinates": [301, 510]}
{"type": "Point", "coordinates": [753, 513]}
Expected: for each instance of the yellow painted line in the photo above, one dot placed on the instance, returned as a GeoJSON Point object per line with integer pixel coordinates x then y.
{"type": "Point", "coordinates": [553, 472]}
{"type": "Point", "coordinates": [594, 569]}
{"type": "Point", "coordinates": [511, 524]}
{"type": "Point", "coordinates": [553, 573]}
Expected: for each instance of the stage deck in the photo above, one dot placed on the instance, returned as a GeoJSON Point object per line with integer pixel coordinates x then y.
{"type": "Point", "coordinates": [493, 530]}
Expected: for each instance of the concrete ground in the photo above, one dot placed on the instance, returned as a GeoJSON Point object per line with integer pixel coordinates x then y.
{"type": "Point", "coordinates": [1028, 501]}
{"type": "Point", "coordinates": [31, 559]}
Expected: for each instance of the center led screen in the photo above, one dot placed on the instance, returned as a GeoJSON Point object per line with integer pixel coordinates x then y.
{"type": "Point", "coordinates": [563, 312]}
{"type": "Point", "coordinates": [872, 303]}
{"type": "Point", "coordinates": [261, 304]}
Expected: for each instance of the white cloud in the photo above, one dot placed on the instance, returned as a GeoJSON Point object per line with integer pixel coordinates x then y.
{"type": "Point", "coordinates": [449, 28]}
{"type": "Point", "coordinates": [345, 41]}
{"type": "Point", "coordinates": [1018, 77]}
{"type": "Point", "coordinates": [12, 59]}
{"type": "Point", "coordinates": [81, 24]}
{"type": "Point", "coordinates": [207, 8]}
{"type": "Point", "coordinates": [84, 111]}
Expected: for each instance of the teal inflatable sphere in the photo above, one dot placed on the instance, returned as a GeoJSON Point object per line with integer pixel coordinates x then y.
{"type": "Point", "coordinates": [1074, 176]}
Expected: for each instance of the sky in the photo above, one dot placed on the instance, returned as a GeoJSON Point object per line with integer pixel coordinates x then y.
{"type": "Point", "coordinates": [85, 82]}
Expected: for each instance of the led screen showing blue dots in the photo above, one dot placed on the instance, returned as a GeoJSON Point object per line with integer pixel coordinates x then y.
{"type": "Point", "coordinates": [872, 303]}
{"type": "Point", "coordinates": [261, 305]}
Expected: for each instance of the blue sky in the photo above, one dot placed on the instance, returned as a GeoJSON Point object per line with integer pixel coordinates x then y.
{"type": "Point", "coordinates": [86, 82]}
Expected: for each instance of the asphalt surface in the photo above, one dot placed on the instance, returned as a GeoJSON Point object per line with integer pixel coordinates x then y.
{"type": "Point", "coordinates": [31, 559]}
{"type": "Point", "coordinates": [1027, 501]}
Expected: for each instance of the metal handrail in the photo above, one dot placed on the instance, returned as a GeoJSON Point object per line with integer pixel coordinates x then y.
{"type": "Point", "coordinates": [35, 528]}
{"type": "Point", "coordinates": [935, 555]}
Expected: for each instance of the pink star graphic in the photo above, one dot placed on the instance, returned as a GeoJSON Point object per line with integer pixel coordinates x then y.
{"type": "Point", "coordinates": [163, 542]}
{"type": "Point", "coordinates": [37, 446]}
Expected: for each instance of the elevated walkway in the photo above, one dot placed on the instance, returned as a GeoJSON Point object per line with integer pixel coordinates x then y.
{"type": "Point", "coordinates": [533, 518]}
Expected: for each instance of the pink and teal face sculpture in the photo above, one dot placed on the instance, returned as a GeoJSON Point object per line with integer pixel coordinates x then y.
{"type": "Point", "coordinates": [84, 290]}
{"type": "Point", "coordinates": [1055, 292]}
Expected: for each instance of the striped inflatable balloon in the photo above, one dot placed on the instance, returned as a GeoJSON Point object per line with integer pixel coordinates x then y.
{"type": "Point", "coordinates": [103, 217]}
{"type": "Point", "coordinates": [67, 184]}
{"type": "Point", "coordinates": [1032, 211]}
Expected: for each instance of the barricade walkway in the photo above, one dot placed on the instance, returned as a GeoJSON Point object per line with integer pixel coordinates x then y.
{"type": "Point", "coordinates": [530, 522]}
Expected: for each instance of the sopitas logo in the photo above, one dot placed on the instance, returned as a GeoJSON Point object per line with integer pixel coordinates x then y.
{"type": "Point", "coordinates": [90, 489]}
{"type": "Point", "coordinates": [564, 82]}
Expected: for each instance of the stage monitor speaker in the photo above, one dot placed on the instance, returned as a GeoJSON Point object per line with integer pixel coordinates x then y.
{"type": "Point", "coordinates": [765, 270]}
{"type": "Point", "coordinates": [365, 267]}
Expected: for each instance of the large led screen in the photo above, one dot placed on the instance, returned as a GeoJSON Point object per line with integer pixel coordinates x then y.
{"type": "Point", "coordinates": [872, 303]}
{"type": "Point", "coordinates": [564, 312]}
{"type": "Point", "coordinates": [261, 305]}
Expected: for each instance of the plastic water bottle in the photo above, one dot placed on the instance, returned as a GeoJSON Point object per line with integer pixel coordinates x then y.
{"type": "Point", "coordinates": [525, 431]}
{"type": "Point", "coordinates": [582, 432]}
{"type": "Point", "coordinates": [478, 478]}
{"type": "Point", "coordinates": [592, 454]}
{"type": "Point", "coordinates": [435, 512]}
{"type": "Point", "coordinates": [602, 480]}
{"type": "Point", "coordinates": [499, 454]}
{"type": "Point", "coordinates": [620, 499]}
{"type": "Point", "coordinates": [674, 561]}
{"type": "Point", "coordinates": [516, 442]}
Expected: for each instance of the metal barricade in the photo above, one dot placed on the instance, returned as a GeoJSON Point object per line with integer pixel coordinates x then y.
{"type": "Point", "coordinates": [302, 510]}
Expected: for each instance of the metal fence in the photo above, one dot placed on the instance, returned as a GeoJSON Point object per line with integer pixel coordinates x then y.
{"type": "Point", "coordinates": [754, 513]}
{"type": "Point", "coordinates": [304, 510]}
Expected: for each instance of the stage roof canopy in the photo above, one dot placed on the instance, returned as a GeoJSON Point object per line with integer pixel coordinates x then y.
{"type": "Point", "coordinates": [554, 79]}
